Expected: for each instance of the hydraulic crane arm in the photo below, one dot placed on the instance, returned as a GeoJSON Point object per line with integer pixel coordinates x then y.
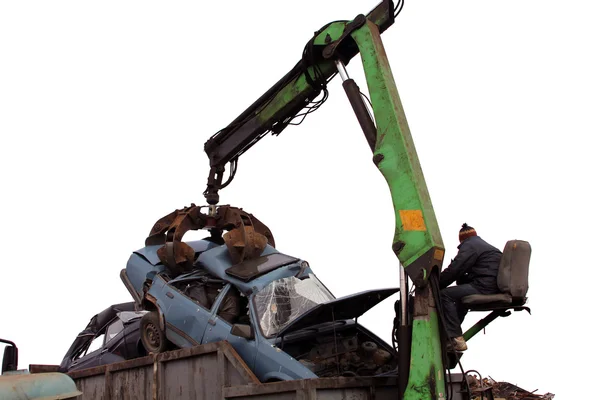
{"type": "Point", "coordinates": [285, 100]}
{"type": "Point", "coordinates": [332, 47]}
{"type": "Point", "coordinates": [417, 241]}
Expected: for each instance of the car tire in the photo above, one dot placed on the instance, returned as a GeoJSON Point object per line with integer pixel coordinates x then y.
{"type": "Point", "coordinates": [153, 338]}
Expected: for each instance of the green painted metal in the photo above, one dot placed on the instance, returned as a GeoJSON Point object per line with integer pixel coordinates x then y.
{"type": "Point", "coordinates": [46, 386]}
{"type": "Point", "coordinates": [396, 158]}
{"type": "Point", "coordinates": [333, 31]}
{"type": "Point", "coordinates": [300, 88]}
{"type": "Point", "coordinates": [426, 376]}
{"type": "Point", "coordinates": [399, 161]}
{"type": "Point", "coordinates": [418, 243]}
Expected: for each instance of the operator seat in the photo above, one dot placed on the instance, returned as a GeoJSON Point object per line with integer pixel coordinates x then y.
{"type": "Point", "coordinates": [513, 280]}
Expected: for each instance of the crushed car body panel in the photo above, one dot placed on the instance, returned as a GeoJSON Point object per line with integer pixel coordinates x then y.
{"type": "Point", "coordinates": [119, 324]}
{"type": "Point", "coordinates": [146, 261]}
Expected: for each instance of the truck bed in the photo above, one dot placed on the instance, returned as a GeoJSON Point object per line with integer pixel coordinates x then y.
{"type": "Point", "coordinates": [214, 371]}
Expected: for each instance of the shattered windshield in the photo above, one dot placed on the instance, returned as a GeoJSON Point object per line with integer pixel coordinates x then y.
{"type": "Point", "coordinates": [284, 300]}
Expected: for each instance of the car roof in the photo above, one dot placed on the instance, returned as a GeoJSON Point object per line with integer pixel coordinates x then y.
{"type": "Point", "coordinates": [217, 261]}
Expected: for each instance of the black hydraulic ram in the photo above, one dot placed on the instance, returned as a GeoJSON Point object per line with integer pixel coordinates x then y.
{"type": "Point", "coordinates": [365, 119]}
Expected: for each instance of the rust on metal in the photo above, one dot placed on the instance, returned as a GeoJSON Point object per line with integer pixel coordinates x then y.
{"type": "Point", "coordinates": [246, 235]}
{"type": "Point", "coordinates": [310, 385]}
{"type": "Point", "coordinates": [108, 385]}
{"type": "Point", "coordinates": [189, 352]}
{"type": "Point", "coordinates": [330, 50]}
{"type": "Point", "coordinates": [503, 390]}
{"type": "Point", "coordinates": [423, 299]}
{"type": "Point", "coordinates": [101, 370]}
{"type": "Point", "coordinates": [151, 377]}
{"type": "Point", "coordinates": [244, 243]}
{"type": "Point", "coordinates": [42, 368]}
{"type": "Point", "coordinates": [155, 377]}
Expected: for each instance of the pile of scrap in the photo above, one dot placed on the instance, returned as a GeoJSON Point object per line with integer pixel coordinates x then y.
{"type": "Point", "coordinates": [503, 390]}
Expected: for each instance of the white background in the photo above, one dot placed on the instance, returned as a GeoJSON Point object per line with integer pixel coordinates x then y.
{"type": "Point", "coordinates": [105, 107]}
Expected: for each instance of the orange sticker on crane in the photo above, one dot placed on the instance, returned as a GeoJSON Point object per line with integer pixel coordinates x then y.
{"type": "Point", "coordinates": [412, 220]}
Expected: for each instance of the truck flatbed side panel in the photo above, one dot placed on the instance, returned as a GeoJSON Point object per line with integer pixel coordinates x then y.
{"type": "Point", "coordinates": [198, 372]}
{"type": "Point", "coordinates": [216, 371]}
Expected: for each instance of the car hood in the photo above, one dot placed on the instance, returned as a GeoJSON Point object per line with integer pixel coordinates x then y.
{"type": "Point", "coordinates": [348, 307]}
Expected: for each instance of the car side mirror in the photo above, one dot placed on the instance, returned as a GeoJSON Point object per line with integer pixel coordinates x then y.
{"type": "Point", "coordinates": [242, 330]}
{"type": "Point", "coordinates": [10, 359]}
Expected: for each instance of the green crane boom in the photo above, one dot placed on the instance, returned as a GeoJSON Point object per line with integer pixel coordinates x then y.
{"type": "Point", "coordinates": [417, 241]}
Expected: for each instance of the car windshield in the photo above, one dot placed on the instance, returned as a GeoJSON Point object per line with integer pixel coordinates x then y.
{"type": "Point", "coordinates": [284, 300]}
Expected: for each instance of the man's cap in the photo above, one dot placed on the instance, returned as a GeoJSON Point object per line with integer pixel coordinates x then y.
{"type": "Point", "coordinates": [465, 232]}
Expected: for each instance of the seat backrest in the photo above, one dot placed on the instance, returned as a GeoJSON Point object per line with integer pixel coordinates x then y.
{"type": "Point", "coordinates": [513, 273]}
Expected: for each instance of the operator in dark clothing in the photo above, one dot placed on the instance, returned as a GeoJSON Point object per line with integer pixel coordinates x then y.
{"type": "Point", "coordinates": [475, 270]}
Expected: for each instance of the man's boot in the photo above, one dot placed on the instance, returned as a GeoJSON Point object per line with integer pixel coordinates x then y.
{"type": "Point", "coordinates": [458, 343]}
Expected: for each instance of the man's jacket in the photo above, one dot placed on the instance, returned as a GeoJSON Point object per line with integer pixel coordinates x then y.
{"type": "Point", "coordinates": [476, 263]}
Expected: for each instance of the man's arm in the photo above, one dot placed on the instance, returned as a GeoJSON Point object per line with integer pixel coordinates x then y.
{"type": "Point", "coordinates": [465, 259]}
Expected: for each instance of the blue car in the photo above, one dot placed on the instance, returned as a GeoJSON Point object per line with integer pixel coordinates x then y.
{"type": "Point", "coordinates": [273, 310]}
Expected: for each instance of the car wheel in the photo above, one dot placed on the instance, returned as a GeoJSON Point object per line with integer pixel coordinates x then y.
{"type": "Point", "coordinates": [153, 338]}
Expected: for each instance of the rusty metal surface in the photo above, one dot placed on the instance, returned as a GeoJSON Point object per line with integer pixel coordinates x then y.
{"type": "Point", "coordinates": [122, 382]}
{"type": "Point", "coordinates": [215, 371]}
{"type": "Point", "coordinates": [503, 390]}
{"type": "Point", "coordinates": [92, 388]}
{"type": "Point", "coordinates": [193, 378]}
{"type": "Point", "coordinates": [41, 368]}
{"type": "Point", "coordinates": [244, 243]}
{"type": "Point", "coordinates": [101, 370]}
{"type": "Point", "coordinates": [198, 372]}
{"type": "Point", "coordinates": [246, 238]}
{"type": "Point", "coordinates": [323, 388]}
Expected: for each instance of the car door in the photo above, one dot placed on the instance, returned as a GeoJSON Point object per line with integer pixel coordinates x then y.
{"type": "Point", "coordinates": [113, 351]}
{"type": "Point", "coordinates": [131, 344]}
{"type": "Point", "coordinates": [219, 329]}
{"type": "Point", "coordinates": [185, 318]}
{"type": "Point", "coordinates": [92, 356]}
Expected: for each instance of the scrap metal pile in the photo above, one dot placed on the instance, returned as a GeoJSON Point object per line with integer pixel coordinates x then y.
{"type": "Point", "coordinates": [503, 390]}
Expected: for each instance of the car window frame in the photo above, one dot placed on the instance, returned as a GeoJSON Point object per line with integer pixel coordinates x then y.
{"type": "Point", "coordinates": [218, 301]}
{"type": "Point", "coordinates": [209, 310]}
{"type": "Point", "coordinates": [87, 350]}
{"type": "Point", "coordinates": [113, 321]}
{"type": "Point", "coordinates": [215, 309]}
{"type": "Point", "coordinates": [75, 358]}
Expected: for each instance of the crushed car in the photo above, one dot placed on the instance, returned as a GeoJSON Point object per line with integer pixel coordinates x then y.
{"type": "Point", "coordinates": [272, 309]}
{"type": "Point", "coordinates": [111, 336]}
